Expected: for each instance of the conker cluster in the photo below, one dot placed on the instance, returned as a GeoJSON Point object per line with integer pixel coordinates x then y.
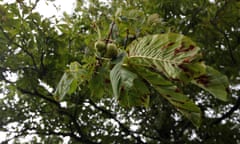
{"type": "Point", "coordinates": [109, 51]}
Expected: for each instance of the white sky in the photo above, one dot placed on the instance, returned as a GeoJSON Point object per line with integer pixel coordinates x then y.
{"type": "Point", "coordinates": [49, 10]}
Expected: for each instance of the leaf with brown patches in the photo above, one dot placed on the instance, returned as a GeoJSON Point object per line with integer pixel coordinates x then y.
{"type": "Point", "coordinates": [203, 79]}
{"type": "Point", "coordinates": [165, 53]}
{"type": "Point", "coordinates": [214, 82]}
{"type": "Point", "coordinates": [168, 45]}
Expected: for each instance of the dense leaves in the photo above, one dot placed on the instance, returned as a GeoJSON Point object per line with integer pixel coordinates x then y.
{"type": "Point", "coordinates": [168, 83]}
{"type": "Point", "coordinates": [175, 58]}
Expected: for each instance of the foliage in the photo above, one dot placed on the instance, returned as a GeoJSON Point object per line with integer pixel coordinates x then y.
{"type": "Point", "coordinates": [158, 75]}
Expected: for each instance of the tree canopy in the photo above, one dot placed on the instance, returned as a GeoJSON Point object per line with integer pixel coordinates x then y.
{"type": "Point", "coordinates": [131, 71]}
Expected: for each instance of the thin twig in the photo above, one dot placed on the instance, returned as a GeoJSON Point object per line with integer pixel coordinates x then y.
{"type": "Point", "coordinates": [110, 33]}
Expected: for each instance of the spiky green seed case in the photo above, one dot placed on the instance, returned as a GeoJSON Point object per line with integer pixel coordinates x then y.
{"type": "Point", "coordinates": [112, 51]}
{"type": "Point", "coordinates": [100, 46]}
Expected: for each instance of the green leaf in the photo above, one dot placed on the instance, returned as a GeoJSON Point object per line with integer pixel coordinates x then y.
{"type": "Point", "coordinates": [138, 95]}
{"type": "Point", "coordinates": [73, 86]}
{"type": "Point", "coordinates": [214, 82]}
{"type": "Point", "coordinates": [98, 84]}
{"type": "Point", "coordinates": [128, 88]}
{"type": "Point", "coordinates": [172, 54]}
{"type": "Point", "coordinates": [63, 86]}
{"type": "Point", "coordinates": [69, 81]}
{"type": "Point", "coordinates": [115, 77]}
{"type": "Point", "coordinates": [173, 94]}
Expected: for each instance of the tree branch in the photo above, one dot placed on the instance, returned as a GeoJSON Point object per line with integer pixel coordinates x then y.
{"type": "Point", "coordinates": [62, 111]}
{"type": "Point", "coordinates": [46, 133]}
{"type": "Point", "coordinates": [122, 126]}
{"type": "Point", "coordinates": [229, 113]}
{"type": "Point", "coordinates": [36, 93]}
{"type": "Point", "coordinates": [34, 5]}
